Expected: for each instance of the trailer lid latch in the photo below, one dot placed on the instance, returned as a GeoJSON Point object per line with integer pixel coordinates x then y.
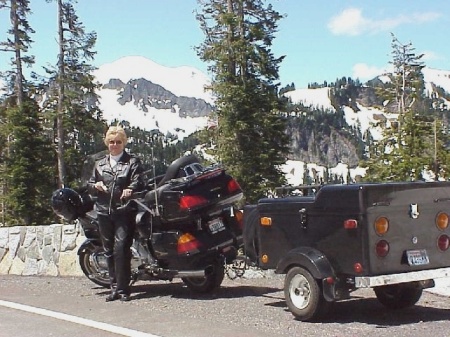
{"type": "Point", "coordinates": [414, 211]}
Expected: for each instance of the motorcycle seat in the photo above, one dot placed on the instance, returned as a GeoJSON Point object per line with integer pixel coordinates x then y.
{"type": "Point", "coordinates": [175, 169]}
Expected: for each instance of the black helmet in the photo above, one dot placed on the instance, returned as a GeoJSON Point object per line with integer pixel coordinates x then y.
{"type": "Point", "coordinates": [66, 203]}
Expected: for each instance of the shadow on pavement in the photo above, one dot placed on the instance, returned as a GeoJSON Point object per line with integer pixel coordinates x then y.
{"type": "Point", "coordinates": [177, 289]}
{"type": "Point", "coordinates": [371, 311]}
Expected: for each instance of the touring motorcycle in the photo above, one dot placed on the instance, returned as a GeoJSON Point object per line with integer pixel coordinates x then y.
{"type": "Point", "coordinates": [187, 226]}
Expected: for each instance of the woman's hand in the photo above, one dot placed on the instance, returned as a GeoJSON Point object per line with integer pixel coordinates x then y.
{"type": "Point", "coordinates": [99, 185]}
{"type": "Point", "coordinates": [126, 193]}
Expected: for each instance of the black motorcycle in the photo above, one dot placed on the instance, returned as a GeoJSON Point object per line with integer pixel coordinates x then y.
{"type": "Point", "coordinates": [187, 226]}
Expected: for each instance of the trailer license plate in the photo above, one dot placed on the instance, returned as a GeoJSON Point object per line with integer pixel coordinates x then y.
{"type": "Point", "coordinates": [216, 226]}
{"type": "Point", "coordinates": [417, 257]}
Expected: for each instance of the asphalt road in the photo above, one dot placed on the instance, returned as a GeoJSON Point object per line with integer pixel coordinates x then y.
{"type": "Point", "coordinates": [56, 306]}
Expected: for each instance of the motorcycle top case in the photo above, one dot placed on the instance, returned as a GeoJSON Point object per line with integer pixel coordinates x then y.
{"type": "Point", "coordinates": [188, 198]}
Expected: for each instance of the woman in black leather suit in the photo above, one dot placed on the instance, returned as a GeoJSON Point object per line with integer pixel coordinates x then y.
{"type": "Point", "coordinates": [115, 178]}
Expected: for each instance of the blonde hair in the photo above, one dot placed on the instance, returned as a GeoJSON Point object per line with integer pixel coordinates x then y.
{"type": "Point", "coordinates": [116, 131]}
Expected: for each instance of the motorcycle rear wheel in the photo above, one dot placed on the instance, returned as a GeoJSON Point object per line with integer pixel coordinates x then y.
{"type": "Point", "coordinates": [93, 264]}
{"type": "Point", "coordinates": [209, 283]}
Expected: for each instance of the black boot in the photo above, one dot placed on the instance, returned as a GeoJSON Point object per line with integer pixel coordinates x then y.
{"type": "Point", "coordinates": [118, 295]}
{"type": "Point", "coordinates": [125, 297]}
{"type": "Point", "coordinates": [113, 296]}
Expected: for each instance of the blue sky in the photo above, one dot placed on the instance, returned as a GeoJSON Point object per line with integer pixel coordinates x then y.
{"type": "Point", "coordinates": [321, 39]}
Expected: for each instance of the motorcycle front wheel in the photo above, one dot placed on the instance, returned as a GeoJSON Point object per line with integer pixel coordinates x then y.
{"type": "Point", "coordinates": [93, 264]}
{"type": "Point", "coordinates": [209, 283]}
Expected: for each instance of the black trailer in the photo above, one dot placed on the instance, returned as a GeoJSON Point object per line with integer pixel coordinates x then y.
{"type": "Point", "coordinates": [392, 237]}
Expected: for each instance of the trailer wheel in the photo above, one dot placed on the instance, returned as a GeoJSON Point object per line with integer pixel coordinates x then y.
{"type": "Point", "coordinates": [303, 295]}
{"type": "Point", "coordinates": [398, 296]}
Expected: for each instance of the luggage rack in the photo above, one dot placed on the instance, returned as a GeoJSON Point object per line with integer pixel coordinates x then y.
{"type": "Point", "coordinates": [195, 170]}
{"type": "Point", "coordinates": [299, 190]}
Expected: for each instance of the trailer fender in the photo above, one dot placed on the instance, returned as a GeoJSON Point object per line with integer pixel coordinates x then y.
{"type": "Point", "coordinates": [316, 263]}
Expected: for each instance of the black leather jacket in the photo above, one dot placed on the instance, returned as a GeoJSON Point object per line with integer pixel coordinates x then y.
{"type": "Point", "coordinates": [126, 174]}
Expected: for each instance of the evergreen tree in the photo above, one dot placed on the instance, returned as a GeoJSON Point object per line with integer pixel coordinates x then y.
{"type": "Point", "coordinates": [289, 87]}
{"type": "Point", "coordinates": [252, 142]}
{"type": "Point", "coordinates": [412, 142]}
{"type": "Point", "coordinates": [71, 103]}
{"type": "Point", "coordinates": [18, 44]}
{"type": "Point", "coordinates": [25, 170]}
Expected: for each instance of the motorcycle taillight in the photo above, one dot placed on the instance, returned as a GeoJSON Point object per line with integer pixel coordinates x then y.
{"type": "Point", "coordinates": [192, 201]}
{"type": "Point", "coordinates": [233, 186]}
{"type": "Point", "coordinates": [187, 243]}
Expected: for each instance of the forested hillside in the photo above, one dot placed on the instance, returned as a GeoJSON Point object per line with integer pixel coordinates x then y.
{"type": "Point", "coordinates": [322, 135]}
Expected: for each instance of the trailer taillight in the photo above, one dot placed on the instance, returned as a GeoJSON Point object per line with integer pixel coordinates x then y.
{"type": "Point", "coordinates": [357, 267]}
{"type": "Point", "coordinates": [443, 242]}
{"type": "Point", "coordinates": [382, 248]}
{"type": "Point", "coordinates": [350, 224]}
{"type": "Point", "coordinates": [187, 243]}
{"type": "Point", "coordinates": [381, 225]}
{"type": "Point", "coordinates": [442, 220]}
{"type": "Point", "coordinates": [191, 201]}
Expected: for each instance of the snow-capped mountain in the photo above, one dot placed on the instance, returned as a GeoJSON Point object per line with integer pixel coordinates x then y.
{"type": "Point", "coordinates": [366, 116]}
{"type": "Point", "coordinates": [152, 96]}
{"type": "Point", "coordinates": [181, 81]}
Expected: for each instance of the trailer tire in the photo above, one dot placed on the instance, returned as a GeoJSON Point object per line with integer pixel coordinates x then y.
{"type": "Point", "coordinates": [303, 295]}
{"type": "Point", "coordinates": [398, 296]}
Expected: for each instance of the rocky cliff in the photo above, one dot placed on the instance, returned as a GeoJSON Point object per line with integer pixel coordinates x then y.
{"type": "Point", "coordinates": [145, 94]}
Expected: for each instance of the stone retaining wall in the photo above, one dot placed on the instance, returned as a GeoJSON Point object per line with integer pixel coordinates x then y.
{"type": "Point", "coordinates": [40, 250]}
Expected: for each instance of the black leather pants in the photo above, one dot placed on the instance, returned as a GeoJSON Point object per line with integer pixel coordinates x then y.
{"type": "Point", "coordinates": [117, 232]}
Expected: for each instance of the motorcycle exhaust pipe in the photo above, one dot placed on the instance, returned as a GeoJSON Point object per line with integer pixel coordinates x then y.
{"type": "Point", "coordinates": [191, 273]}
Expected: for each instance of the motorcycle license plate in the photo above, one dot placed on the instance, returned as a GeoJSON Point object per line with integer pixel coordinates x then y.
{"type": "Point", "coordinates": [216, 226]}
{"type": "Point", "coordinates": [417, 257]}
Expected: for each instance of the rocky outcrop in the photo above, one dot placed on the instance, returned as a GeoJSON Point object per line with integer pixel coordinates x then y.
{"type": "Point", "coordinates": [40, 250]}
{"type": "Point", "coordinates": [367, 96]}
{"type": "Point", "coordinates": [325, 150]}
{"type": "Point", "coordinates": [146, 94]}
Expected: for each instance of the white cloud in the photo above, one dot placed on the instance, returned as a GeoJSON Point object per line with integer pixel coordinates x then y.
{"type": "Point", "coordinates": [349, 22]}
{"type": "Point", "coordinates": [366, 72]}
{"type": "Point", "coordinates": [431, 56]}
{"type": "Point", "coordinates": [352, 22]}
